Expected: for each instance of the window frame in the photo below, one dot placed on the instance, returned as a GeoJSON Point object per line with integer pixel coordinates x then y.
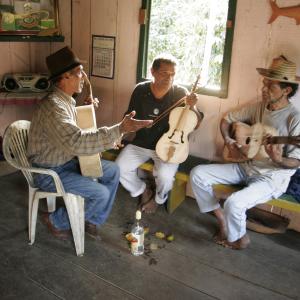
{"type": "Point", "coordinates": [143, 49]}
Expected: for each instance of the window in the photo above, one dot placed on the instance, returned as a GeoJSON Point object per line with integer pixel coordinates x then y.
{"type": "Point", "coordinates": [198, 33]}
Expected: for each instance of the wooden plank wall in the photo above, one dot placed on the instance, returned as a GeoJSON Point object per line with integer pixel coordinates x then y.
{"type": "Point", "coordinates": [109, 18]}
{"type": "Point", "coordinates": [29, 57]}
{"type": "Point", "coordinates": [80, 19]}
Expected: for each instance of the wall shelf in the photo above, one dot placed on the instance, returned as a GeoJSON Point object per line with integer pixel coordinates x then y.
{"type": "Point", "coordinates": [25, 98]}
{"type": "Point", "coordinates": [31, 38]}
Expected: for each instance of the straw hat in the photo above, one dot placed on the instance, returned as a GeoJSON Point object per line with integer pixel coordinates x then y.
{"type": "Point", "coordinates": [281, 69]}
{"type": "Point", "coordinates": [62, 61]}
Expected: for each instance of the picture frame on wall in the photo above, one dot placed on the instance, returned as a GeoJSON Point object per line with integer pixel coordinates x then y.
{"type": "Point", "coordinates": [103, 56]}
{"type": "Point", "coordinates": [34, 17]}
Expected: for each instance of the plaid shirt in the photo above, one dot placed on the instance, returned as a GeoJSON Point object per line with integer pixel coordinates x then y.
{"type": "Point", "coordinates": [54, 137]}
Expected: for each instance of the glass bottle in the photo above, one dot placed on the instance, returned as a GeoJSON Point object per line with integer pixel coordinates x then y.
{"type": "Point", "coordinates": [137, 232]}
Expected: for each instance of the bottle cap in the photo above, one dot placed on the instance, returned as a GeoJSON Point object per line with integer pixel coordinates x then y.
{"type": "Point", "coordinates": [138, 215]}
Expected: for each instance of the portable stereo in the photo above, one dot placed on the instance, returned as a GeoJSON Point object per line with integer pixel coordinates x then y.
{"type": "Point", "coordinates": [26, 82]}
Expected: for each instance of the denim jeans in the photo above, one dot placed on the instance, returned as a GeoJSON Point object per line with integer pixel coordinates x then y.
{"type": "Point", "coordinates": [99, 195]}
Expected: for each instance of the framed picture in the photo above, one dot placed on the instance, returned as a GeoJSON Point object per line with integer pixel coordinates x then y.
{"type": "Point", "coordinates": [103, 56]}
{"type": "Point", "coordinates": [34, 17]}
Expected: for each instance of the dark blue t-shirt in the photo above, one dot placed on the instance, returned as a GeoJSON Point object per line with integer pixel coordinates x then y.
{"type": "Point", "coordinates": [148, 107]}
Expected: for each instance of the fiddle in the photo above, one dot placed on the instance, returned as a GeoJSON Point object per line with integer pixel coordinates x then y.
{"type": "Point", "coordinates": [173, 146]}
{"type": "Point", "coordinates": [90, 165]}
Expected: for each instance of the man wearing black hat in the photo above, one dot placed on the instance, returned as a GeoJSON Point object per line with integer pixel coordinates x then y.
{"type": "Point", "coordinates": [267, 171]}
{"type": "Point", "coordinates": [55, 140]}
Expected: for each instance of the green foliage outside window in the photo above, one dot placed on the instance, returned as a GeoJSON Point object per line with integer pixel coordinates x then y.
{"type": "Point", "coordinates": [195, 33]}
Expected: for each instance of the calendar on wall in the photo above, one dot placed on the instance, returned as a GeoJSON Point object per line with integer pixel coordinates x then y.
{"type": "Point", "coordinates": [103, 58]}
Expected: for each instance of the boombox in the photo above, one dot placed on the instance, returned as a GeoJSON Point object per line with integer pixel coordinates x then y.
{"type": "Point", "coordinates": [26, 82]}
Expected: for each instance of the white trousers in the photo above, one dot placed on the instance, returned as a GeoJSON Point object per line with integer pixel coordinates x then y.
{"type": "Point", "coordinates": [259, 189]}
{"type": "Point", "coordinates": [131, 157]}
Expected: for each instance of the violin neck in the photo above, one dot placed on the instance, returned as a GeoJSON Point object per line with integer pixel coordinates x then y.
{"type": "Point", "coordinates": [167, 111]}
{"type": "Point", "coordinates": [183, 118]}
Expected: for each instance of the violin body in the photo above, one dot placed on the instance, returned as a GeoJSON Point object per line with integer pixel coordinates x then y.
{"type": "Point", "coordinates": [90, 165]}
{"type": "Point", "coordinates": [173, 146]}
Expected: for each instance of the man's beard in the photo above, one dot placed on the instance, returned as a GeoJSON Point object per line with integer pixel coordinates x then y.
{"type": "Point", "coordinates": [275, 100]}
{"type": "Point", "coordinates": [268, 99]}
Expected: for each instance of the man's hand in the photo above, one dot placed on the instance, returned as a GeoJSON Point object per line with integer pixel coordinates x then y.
{"type": "Point", "coordinates": [274, 151]}
{"type": "Point", "coordinates": [129, 124]}
{"type": "Point", "coordinates": [93, 101]}
{"type": "Point", "coordinates": [191, 99]}
{"type": "Point", "coordinates": [118, 144]}
{"type": "Point", "coordinates": [236, 151]}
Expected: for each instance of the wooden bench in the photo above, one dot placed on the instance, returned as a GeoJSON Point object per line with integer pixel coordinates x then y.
{"type": "Point", "coordinates": [178, 192]}
{"type": "Point", "coordinates": [285, 201]}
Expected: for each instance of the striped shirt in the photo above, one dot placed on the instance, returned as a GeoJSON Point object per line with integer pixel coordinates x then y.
{"type": "Point", "coordinates": [54, 137]}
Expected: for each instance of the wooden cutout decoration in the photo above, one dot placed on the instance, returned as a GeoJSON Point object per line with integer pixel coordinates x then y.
{"type": "Point", "coordinates": [290, 12]}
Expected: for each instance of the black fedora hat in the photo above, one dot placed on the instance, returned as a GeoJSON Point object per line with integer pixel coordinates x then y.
{"type": "Point", "coordinates": [62, 61]}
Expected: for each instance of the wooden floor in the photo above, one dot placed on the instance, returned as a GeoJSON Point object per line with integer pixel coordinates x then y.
{"type": "Point", "coordinates": [190, 267]}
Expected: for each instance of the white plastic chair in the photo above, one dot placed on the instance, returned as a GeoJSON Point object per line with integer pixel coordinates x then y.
{"type": "Point", "coordinates": [15, 142]}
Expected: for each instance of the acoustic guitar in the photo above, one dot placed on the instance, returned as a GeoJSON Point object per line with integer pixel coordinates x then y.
{"type": "Point", "coordinates": [250, 139]}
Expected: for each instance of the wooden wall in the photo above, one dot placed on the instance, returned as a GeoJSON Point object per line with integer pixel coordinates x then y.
{"type": "Point", "coordinates": [255, 44]}
{"type": "Point", "coordinates": [29, 57]}
{"type": "Point", "coordinates": [118, 18]}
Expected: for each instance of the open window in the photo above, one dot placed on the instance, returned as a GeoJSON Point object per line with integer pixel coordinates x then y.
{"type": "Point", "coordinates": [198, 33]}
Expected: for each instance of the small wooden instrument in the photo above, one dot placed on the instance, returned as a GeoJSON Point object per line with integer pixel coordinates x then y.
{"type": "Point", "coordinates": [250, 139]}
{"type": "Point", "coordinates": [90, 165]}
{"type": "Point", "coordinates": [173, 146]}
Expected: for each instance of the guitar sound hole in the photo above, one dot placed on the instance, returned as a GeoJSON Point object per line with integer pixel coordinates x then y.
{"type": "Point", "coordinates": [248, 140]}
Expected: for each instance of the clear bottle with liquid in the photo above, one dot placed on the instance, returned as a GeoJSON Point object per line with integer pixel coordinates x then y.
{"type": "Point", "coordinates": [137, 232]}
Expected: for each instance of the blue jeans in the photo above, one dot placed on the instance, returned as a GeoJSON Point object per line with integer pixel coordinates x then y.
{"type": "Point", "coordinates": [99, 195]}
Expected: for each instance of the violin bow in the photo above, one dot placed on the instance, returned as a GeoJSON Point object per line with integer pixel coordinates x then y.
{"type": "Point", "coordinates": [90, 91]}
{"type": "Point", "coordinates": [194, 87]}
{"type": "Point", "coordinates": [177, 103]}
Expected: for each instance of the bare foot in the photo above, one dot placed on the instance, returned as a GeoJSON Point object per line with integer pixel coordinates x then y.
{"type": "Point", "coordinates": [239, 244]}
{"type": "Point", "coordinates": [220, 236]}
{"type": "Point", "coordinates": [147, 195]}
{"type": "Point", "coordinates": [150, 207]}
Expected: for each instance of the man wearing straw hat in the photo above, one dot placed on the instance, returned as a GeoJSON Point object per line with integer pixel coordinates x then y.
{"type": "Point", "coordinates": [55, 140]}
{"type": "Point", "coordinates": [264, 178]}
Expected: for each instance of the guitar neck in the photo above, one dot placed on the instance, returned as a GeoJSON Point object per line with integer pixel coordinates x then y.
{"type": "Point", "coordinates": [292, 140]}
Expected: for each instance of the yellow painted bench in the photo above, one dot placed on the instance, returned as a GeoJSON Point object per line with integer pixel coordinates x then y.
{"type": "Point", "coordinates": [285, 201]}
{"type": "Point", "coordinates": [178, 192]}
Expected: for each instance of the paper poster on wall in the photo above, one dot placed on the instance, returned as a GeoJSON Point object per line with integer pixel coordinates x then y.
{"type": "Point", "coordinates": [103, 63]}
